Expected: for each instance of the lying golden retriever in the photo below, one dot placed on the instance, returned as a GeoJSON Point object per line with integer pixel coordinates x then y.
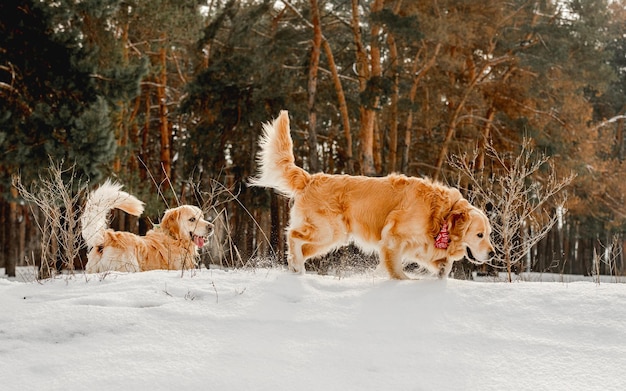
{"type": "Point", "coordinates": [402, 218]}
{"type": "Point", "coordinates": [173, 244]}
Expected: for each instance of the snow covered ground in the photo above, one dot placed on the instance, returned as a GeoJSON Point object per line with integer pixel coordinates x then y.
{"type": "Point", "coordinates": [267, 329]}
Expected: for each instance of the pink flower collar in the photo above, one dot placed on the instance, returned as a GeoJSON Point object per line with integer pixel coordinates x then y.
{"type": "Point", "coordinates": [442, 239]}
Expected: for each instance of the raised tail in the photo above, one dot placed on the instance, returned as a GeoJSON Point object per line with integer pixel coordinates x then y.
{"type": "Point", "coordinates": [276, 167]}
{"type": "Point", "coordinates": [95, 218]}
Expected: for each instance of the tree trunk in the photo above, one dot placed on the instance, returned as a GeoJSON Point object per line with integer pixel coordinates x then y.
{"type": "Point", "coordinates": [145, 136]}
{"type": "Point", "coordinates": [4, 233]}
{"type": "Point", "coordinates": [366, 145]}
{"type": "Point", "coordinates": [585, 253]}
{"type": "Point", "coordinates": [412, 94]}
{"type": "Point", "coordinates": [367, 114]}
{"type": "Point", "coordinates": [312, 86]}
{"type": "Point", "coordinates": [277, 239]}
{"type": "Point", "coordinates": [166, 134]}
{"type": "Point", "coordinates": [376, 72]}
{"type": "Point", "coordinates": [23, 221]}
{"type": "Point", "coordinates": [343, 107]}
{"type": "Point", "coordinates": [567, 253]}
{"type": "Point", "coordinates": [123, 123]}
{"type": "Point", "coordinates": [133, 165]}
{"type": "Point", "coordinates": [620, 256]}
{"type": "Point", "coordinates": [363, 74]}
{"type": "Point", "coordinates": [117, 161]}
{"type": "Point", "coordinates": [341, 97]}
{"type": "Point", "coordinates": [395, 98]}
{"type": "Point", "coordinates": [393, 109]}
{"type": "Point", "coordinates": [13, 235]}
{"type": "Point", "coordinates": [486, 134]}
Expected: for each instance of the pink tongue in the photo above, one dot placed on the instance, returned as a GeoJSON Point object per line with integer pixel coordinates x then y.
{"type": "Point", "coordinates": [199, 240]}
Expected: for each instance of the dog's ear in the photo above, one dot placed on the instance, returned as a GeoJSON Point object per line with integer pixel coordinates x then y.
{"type": "Point", "coordinates": [439, 200]}
{"type": "Point", "coordinates": [170, 222]}
{"type": "Point", "coordinates": [459, 218]}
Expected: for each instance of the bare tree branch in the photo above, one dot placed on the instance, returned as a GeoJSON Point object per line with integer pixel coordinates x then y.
{"type": "Point", "coordinates": [518, 195]}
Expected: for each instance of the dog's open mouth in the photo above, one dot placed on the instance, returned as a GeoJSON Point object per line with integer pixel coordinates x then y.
{"type": "Point", "coordinates": [198, 240]}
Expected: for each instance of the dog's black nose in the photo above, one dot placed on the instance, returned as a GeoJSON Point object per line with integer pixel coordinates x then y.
{"type": "Point", "coordinates": [492, 254]}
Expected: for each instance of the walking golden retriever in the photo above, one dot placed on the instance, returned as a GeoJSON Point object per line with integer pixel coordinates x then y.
{"type": "Point", "coordinates": [401, 218]}
{"type": "Point", "coordinates": [173, 244]}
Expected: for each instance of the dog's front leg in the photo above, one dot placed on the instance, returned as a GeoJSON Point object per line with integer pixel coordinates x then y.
{"type": "Point", "coordinates": [392, 261]}
{"type": "Point", "coordinates": [444, 265]}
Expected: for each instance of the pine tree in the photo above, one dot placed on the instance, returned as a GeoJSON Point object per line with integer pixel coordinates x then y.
{"type": "Point", "coordinates": [159, 40]}
{"type": "Point", "coordinates": [52, 107]}
{"type": "Point", "coordinates": [55, 97]}
{"type": "Point", "coordinates": [600, 203]}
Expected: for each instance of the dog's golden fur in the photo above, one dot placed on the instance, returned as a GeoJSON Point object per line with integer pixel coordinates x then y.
{"type": "Point", "coordinates": [396, 216]}
{"type": "Point", "coordinates": [173, 244]}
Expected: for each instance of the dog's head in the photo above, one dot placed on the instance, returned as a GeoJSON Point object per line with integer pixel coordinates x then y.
{"type": "Point", "coordinates": [187, 223]}
{"type": "Point", "coordinates": [470, 226]}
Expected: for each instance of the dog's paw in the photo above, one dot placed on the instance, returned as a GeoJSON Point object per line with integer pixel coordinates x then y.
{"type": "Point", "coordinates": [443, 268]}
{"type": "Point", "coordinates": [295, 268]}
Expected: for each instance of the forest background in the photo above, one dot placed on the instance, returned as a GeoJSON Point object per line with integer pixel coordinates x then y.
{"type": "Point", "coordinates": [168, 97]}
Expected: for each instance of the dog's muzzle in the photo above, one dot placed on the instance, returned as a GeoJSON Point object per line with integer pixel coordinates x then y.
{"type": "Point", "coordinates": [200, 240]}
{"type": "Point", "coordinates": [473, 259]}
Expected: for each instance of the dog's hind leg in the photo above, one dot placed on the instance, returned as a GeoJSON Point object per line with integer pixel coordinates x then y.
{"type": "Point", "coordinates": [310, 241]}
{"type": "Point", "coordinates": [295, 259]}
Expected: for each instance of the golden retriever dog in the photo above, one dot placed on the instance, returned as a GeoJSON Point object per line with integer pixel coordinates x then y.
{"type": "Point", "coordinates": [403, 219]}
{"type": "Point", "coordinates": [172, 245]}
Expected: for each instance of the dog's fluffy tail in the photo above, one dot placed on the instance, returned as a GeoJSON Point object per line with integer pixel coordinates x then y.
{"type": "Point", "coordinates": [276, 161]}
{"type": "Point", "coordinates": [95, 217]}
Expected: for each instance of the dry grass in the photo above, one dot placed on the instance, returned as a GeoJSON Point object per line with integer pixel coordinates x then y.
{"type": "Point", "coordinates": [58, 196]}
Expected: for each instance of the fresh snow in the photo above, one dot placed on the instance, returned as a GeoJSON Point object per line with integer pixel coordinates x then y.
{"type": "Point", "coordinates": [267, 329]}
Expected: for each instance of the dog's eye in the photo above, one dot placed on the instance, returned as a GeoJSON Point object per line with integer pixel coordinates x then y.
{"type": "Point", "coordinates": [480, 235]}
{"type": "Point", "coordinates": [192, 219]}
